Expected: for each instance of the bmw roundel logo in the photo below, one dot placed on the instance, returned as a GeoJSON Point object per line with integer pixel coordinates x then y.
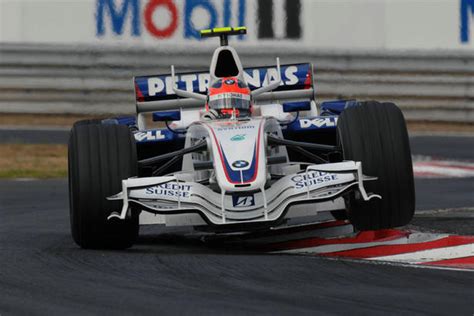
{"type": "Point", "coordinates": [240, 164]}
{"type": "Point", "coordinates": [229, 81]}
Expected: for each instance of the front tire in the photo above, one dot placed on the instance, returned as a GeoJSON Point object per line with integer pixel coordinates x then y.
{"type": "Point", "coordinates": [376, 134]}
{"type": "Point", "coordinates": [100, 157]}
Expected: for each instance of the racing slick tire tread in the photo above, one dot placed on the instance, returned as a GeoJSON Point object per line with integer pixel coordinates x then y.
{"type": "Point", "coordinates": [376, 134]}
{"type": "Point", "coordinates": [87, 122]}
{"type": "Point", "coordinates": [99, 157]}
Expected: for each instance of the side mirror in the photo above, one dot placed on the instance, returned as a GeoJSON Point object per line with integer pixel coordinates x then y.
{"type": "Point", "coordinates": [336, 107]}
{"type": "Point", "coordinates": [164, 116]}
{"type": "Point", "coordinates": [296, 106]}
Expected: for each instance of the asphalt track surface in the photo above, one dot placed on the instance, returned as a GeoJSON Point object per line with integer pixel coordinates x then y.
{"type": "Point", "coordinates": [43, 272]}
{"type": "Point", "coordinates": [47, 135]}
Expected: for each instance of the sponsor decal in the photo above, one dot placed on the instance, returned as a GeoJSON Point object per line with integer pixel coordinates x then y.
{"type": "Point", "coordinates": [318, 122]}
{"type": "Point", "coordinates": [290, 76]}
{"type": "Point", "coordinates": [313, 178]}
{"type": "Point", "coordinates": [163, 85]}
{"type": "Point", "coordinates": [266, 19]}
{"type": "Point", "coordinates": [229, 81]}
{"type": "Point", "coordinates": [166, 19]}
{"type": "Point", "coordinates": [230, 95]}
{"type": "Point", "coordinates": [112, 16]}
{"type": "Point", "coordinates": [235, 127]}
{"type": "Point", "coordinates": [238, 137]}
{"type": "Point", "coordinates": [243, 201]}
{"type": "Point", "coordinates": [149, 88]}
{"type": "Point", "coordinates": [149, 136]}
{"type": "Point", "coordinates": [239, 164]}
{"type": "Point", "coordinates": [170, 189]}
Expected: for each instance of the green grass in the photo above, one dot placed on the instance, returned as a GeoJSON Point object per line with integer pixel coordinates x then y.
{"type": "Point", "coordinates": [33, 161]}
{"type": "Point", "coordinates": [31, 173]}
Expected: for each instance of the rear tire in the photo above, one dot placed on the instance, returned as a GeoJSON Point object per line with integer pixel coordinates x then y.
{"type": "Point", "coordinates": [100, 156]}
{"type": "Point", "coordinates": [376, 134]}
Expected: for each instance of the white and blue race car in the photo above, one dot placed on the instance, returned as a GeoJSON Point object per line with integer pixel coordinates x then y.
{"type": "Point", "coordinates": [224, 161]}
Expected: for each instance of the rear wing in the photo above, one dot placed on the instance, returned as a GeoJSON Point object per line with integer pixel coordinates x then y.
{"type": "Point", "coordinates": [155, 93]}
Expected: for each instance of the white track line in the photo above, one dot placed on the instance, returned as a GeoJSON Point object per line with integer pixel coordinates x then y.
{"type": "Point", "coordinates": [400, 264]}
{"type": "Point", "coordinates": [442, 211]}
{"type": "Point", "coordinates": [411, 239]}
{"type": "Point", "coordinates": [427, 167]}
{"type": "Point", "coordinates": [430, 255]}
{"type": "Point", "coordinates": [440, 133]}
{"type": "Point", "coordinates": [447, 171]}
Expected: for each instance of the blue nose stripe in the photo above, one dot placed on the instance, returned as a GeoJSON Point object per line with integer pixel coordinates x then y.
{"type": "Point", "coordinates": [235, 175]}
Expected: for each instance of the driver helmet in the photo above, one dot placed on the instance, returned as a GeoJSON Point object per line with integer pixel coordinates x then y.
{"type": "Point", "coordinates": [229, 96]}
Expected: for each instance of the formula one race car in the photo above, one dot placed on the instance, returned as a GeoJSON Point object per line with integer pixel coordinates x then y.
{"type": "Point", "coordinates": [238, 150]}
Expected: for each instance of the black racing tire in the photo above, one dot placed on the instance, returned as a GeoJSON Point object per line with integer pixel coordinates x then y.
{"type": "Point", "coordinates": [100, 157]}
{"type": "Point", "coordinates": [376, 134]}
{"type": "Point", "coordinates": [87, 122]}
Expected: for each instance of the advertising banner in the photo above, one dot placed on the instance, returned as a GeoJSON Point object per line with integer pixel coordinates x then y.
{"type": "Point", "coordinates": [324, 24]}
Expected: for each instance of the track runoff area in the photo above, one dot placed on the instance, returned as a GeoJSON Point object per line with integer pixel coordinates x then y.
{"type": "Point", "coordinates": [337, 239]}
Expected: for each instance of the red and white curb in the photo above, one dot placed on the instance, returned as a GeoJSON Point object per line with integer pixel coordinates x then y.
{"type": "Point", "coordinates": [337, 239]}
{"type": "Point", "coordinates": [390, 245]}
{"type": "Point", "coordinates": [432, 168]}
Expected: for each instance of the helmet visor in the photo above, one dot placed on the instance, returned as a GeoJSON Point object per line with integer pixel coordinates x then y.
{"type": "Point", "coordinates": [229, 101]}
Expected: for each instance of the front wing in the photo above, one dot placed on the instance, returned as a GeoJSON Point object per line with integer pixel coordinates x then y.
{"type": "Point", "coordinates": [173, 195]}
